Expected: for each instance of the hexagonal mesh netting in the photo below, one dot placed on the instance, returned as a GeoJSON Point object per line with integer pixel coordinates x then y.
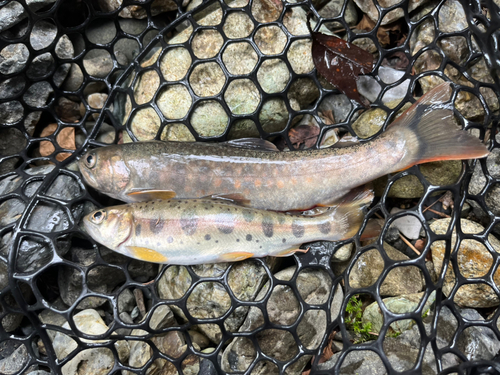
{"type": "Point", "coordinates": [85, 73]}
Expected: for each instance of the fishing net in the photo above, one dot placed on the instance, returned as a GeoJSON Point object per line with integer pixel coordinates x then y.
{"type": "Point", "coordinates": [82, 74]}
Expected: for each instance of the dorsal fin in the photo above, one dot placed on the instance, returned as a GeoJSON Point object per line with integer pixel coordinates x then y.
{"type": "Point", "coordinates": [142, 195]}
{"type": "Point", "coordinates": [236, 198]}
{"type": "Point", "coordinates": [346, 141]}
{"type": "Point", "coordinates": [252, 144]}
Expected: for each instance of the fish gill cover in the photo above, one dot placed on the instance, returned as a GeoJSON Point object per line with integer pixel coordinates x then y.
{"type": "Point", "coordinates": [422, 298]}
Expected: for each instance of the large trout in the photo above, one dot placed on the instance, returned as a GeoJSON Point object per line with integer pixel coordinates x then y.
{"type": "Point", "coordinates": [197, 231]}
{"type": "Point", "coordinates": [280, 181]}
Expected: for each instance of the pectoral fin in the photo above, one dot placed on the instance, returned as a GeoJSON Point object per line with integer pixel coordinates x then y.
{"type": "Point", "coordinates": [147, 255]}
{"type": "Point", "coordinates": [288, 252]}
{"type": "Point", "coordinates": [148, 195]}
{"type": "Point", "coordinates": [236, 256]}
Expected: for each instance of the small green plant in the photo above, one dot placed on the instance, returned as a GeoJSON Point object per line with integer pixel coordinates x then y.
{"type": "Point", "coordinates": [394, 333]}
{"type": "Point", "coordinates": [426, 313]}
{"type": "Point", "coordinates": [353, 320]}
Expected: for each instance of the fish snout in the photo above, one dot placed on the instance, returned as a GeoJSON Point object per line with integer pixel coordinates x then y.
{"type": "Point", "coordinates": [87, 165]}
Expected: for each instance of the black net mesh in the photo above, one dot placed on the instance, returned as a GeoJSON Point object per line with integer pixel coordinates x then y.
{"type": "Point", "coordinates": [85, 73]}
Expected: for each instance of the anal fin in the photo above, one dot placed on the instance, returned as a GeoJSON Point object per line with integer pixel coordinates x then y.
{"type": "Point", "coordinates": [235, 256]}
{"type": "Point", "coordinates": [148, 195]}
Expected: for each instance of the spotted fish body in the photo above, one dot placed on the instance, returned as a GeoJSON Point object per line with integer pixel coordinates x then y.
{"type": "Point", "coordinates": [281, 181]}
{"type": "Point", "coordinates": [196, 231]}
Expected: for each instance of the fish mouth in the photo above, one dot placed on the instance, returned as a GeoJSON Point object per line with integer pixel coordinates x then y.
{"type": "Point", "coordinates": [87, 175]}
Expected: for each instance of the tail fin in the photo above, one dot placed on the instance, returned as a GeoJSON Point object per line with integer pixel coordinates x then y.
{"type": "Point", "coordinates": [431, 133]}
{"type": "Point", "coordinates": [349, 213]}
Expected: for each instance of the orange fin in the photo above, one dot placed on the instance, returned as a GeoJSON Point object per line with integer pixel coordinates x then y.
{"type": "Point", "coordinates": [147, 255]}
{"type": "Point", "coordinates": [148, 195]}
{"type": "Point", "coordinates": [235, 256]}
{"type": "Point", "coordinates": [431, 134]}
{"type": "Point", "coordinates": [288, 252]}
{"type": "Point", "coordinates": [236, 198]}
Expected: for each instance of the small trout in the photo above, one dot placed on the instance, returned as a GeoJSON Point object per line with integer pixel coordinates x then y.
{"type": "Point", "coordinates": [197, 231]}
{"type": "Point", "coordinates": [279, 181]}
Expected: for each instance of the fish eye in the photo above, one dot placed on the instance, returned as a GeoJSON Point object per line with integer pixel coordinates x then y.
{"type": "Point", "coordinates": [98, 216]}
{"type": "Point", "coordinates": [90, 160]}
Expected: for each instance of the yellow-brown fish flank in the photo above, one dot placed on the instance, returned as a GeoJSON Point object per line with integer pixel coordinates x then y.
{"type": "Point", "coordinates": [248, 215]}
{"type": "Point", "coordinates": [267, 226]}
{"type": "Point", "coordinates": [325, 227]}
{"type": "Point", "coordinates": [156, 225]}
{"type": "Point", "coordinates": [210, 230]}
{"type": "Point", "coordinates": [189, 220]}
{"type": "Point", "coordinates": [225, 221]}
{"type": "Point", "coordinates": [297, 229]}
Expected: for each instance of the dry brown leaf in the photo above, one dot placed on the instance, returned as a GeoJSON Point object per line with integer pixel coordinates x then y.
{"type": "Point", "coordinates": [68, 110]}
{"type": "Point", "coordinates": [340, 62]}
{"type": "Point", "coordinates": [306, 134]}
{"type": "Point", "coordinates": [420, 244]}
{"type": "Point", "coordinates": [65, 139]}
{"type": "Point", "coordinates": [328, 117]}
{"type": "Point", "coordinates": [327, 353]}
{"type": "Point", "coordinates": [447, 200]}
{"type": "Point", "coordinates": [384, 31]}
{"type": "Point", "coordinates": [398, 60]}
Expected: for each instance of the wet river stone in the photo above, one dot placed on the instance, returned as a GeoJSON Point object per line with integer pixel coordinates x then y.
{"type": "Point", "coordinates": [283, 308]}
{"type": "Point", "coordinates": [13, 12]}
{"type": "Point", "coordinates": [210, 299]}
{"type": "Point", "coordinates": [452, 19]}
{"type": "Point", "coordinates": [14, 58]}
{"type": "Point", "coordinates": [476, 343]}
{"type": "Point", "coordinates": [12, 320]}
{"type": "Point", "coordinates": [369, 266]}
{"type": "Point", "coordinates": [13, 141]}
{"type": "Point", "coordinates": [478, 183]}
{"type": "Point", "coordinates": [101, 279]}
{"type": "Point", "coordinates": [474, 260]}
{"type": "Point", "coordinates": [136, 11]}
{"type": "Point", "coordinates": [368, 7]}
{"type": "Point", "coordinates": [89, 361]}
{"type": "Point", "coordinates": [171, 343]}
{"type": "Point", "coordinates": [207, 79]}
{"type": "Point", "coordinates": [13, 357]}
{"type": "Point", "coordinates": [46, 217]}
{"type": "Point", "coordinates": [398, 305]}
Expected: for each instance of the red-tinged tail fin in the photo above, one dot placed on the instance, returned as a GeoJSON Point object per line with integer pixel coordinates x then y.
{"type": "Point", "coordinates": [431, 134]}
